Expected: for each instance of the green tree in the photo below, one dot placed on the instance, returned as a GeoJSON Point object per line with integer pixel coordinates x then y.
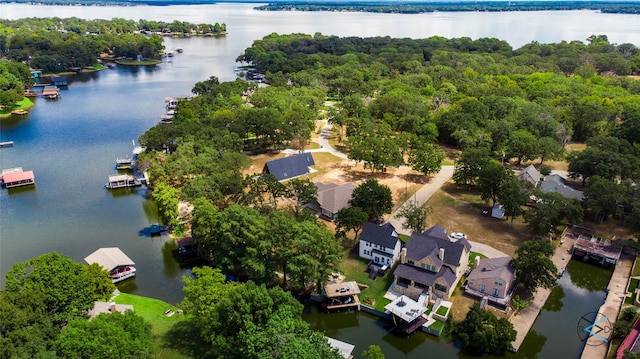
{"type": "Point", "coordinates": [350, 219]}
{"type": "Point", "coordinates": [601, 197]}
{"type": "Point", "coordinates": [66, 286]}
{"type": "Point", "coordinates": [549, 149]}
{"type": "Point", "coordinates": [491, 181]}
{"type": "Point", "coordinates": [469, 165]}
{"type": "Point", "coordinates": [302, 191]}
{"type": "Point", "coordinates": [166, 198]}
{"type": "Point", "coordinates": [27, 329]}
{"type": "Point", "coordinates": [103, 287]}
{"type": "Point", "coordinates": [373, 352]}
{"type": "Point", "coordinates": [550, 212]}
{"type": "Point", "coordinates": [522, 145]}
{"type": "Point", "coordinates": [482, 332]}
{"type": "Point", "coordinates": [415, 217]}
{"type": "Point", "coordinates": [534, 266]}
{"type": "Point", "coordinates": [293, 337]}
{"type": "Point", "coordinates": [512, 196]}
{"type": "Point", "coordinates": [426, 158]}
{"type": "Point", "coordinates": [109, 335]}
{"type": "Point", "coordinates": [373, 198]}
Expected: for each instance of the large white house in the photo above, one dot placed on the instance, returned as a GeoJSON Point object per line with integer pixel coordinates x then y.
{"type": "Point", "coordinates": [380, 243]}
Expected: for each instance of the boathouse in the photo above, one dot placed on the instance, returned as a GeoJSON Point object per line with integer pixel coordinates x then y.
{"type": "Point", "coordinates": [602, 251]}
{"type": "Point", "coordinates": [345, 349]}
{"type": "Point", "coordinates": [112, 259]}
{"type": "Point", "coordinates": [59, 81]}
{"type": "Point", "coordinates": [409, 312]}
{"type": "Point", "coordinates": [341, 295]}
{"type": "Point", "coordinates": [16, 177]}
{"type": "Point", "coordinates": [51, 92]}
{"type": "Point", "coordinates": [122, 181]}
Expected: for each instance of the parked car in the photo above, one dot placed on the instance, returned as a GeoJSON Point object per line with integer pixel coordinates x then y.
{"type": "Point", "coordinates": [458, 235]}
{"type": "Point", "coordinates": [484, 213]}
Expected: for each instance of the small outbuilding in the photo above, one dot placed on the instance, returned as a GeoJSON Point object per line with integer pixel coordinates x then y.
{"type": "Point", "coordinates": [345, 349]}
{"type": "Point", "coordinates": [497, 211]}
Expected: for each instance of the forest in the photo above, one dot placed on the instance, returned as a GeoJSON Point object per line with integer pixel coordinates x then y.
{"type": "Point", "coordinates": [56, 45]}
{"type": "Point", "coordinates": [418, 7]}
{"type": "Point", "coordinates": [396, 102]}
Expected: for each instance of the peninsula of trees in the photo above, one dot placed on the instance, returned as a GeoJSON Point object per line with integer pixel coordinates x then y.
{"type": "Point", "coordinates": [56, 45]}
{"type": "Point", "coordinates": [417, 7]}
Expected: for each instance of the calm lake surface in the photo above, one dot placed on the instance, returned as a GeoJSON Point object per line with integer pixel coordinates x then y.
{"type": "Point", "coordinates": [71, 144]}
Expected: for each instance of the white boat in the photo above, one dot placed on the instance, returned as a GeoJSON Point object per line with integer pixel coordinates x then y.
{"type": "Point", "coordinates": [121, 273]}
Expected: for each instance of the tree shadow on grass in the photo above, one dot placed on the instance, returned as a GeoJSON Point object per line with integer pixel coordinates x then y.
{"type": "Point", "coordinates": [184, 337]}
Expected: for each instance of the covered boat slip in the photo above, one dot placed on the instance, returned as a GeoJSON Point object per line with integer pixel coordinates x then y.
{"type": "Point", "coordinates": [409, 311]}
{"type": "Point", "coordinates": [120, 266]}
{"type": "Point", "coordinates": [16, 177]}
{"type": "Point", "coordinates": [122, 181]}
{"type": "Point", "coordinates": [342, 295]}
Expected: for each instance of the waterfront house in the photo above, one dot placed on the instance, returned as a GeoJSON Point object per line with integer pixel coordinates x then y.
{"type": "Point", "coordinates": [289, 167]}
{"type": "Point", "coordinates": [431, 263]}
{"type": "Point", "coordinates": [332, 197]}
{"type": "Point", "coordinates": [112, 259]}
{"type": "Point", "coordinates": [380, 244]}
{"type": "Point", "coordinates": [558, 184]}
{"type": "Point", "coordinates": [530, 174]}
{"type": "Point", "coordinates": [493, 280]}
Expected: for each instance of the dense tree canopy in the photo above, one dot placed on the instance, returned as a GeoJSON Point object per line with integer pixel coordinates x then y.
{"type": "Point", "coordinates": [482, 332]}
{"type": "Point", "coordinates": [250, 321]}
{"type": "Point", "coordinates": [373, 198]}
{"type": "Point", "coordinates": [534, 266]}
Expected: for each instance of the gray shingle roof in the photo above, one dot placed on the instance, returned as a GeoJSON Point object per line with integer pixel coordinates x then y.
{"type": "Point", "coordinates": [424, 276]}
{"type": "Point", "coordinates": [555, 183]}
{"type": "Point", "coordinates": [384, 235]}
{"type": "Point", "coordinates": [493, 268]}
{"type": "Point", "coordinates": [429, 243]}
{"type": "Point", "coordinates": [530, 174]}
{"type": "Point", "coordinates": [333, 197]}
{"type": "Point", "coordinates": [289, 167]}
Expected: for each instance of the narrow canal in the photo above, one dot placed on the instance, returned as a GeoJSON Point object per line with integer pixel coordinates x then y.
{"type": "Point", "coordinates": [580, 291]}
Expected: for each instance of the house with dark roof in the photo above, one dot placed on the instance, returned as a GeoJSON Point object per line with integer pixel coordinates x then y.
{"type": "Point", "coordinates": [493, 279]}
{"type": "Point", "coordinates": [380, 243]}
{"type": "Point", "coordinates": [431, 263]}
{"type": "Point", "coordinates": [530, 174]}
{"type": "Point", "coordinates": [332, 197]}
{"type": "Point", "coordinates": [557, 183]}
{"type": "Point", "coordinates": [289, 167]}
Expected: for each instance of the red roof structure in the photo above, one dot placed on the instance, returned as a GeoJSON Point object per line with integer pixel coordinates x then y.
{"type": "Point", "coordinates": [16, 179]}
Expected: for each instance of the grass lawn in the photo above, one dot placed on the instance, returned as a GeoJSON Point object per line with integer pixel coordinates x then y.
{"type": "Point", "coordinates": [152, 310]}
{"type": "Point", "coordinates": [636, 268]}
{"type": "Point", "coordinates": [437, 325]}
{"type": "Point", "coordinates": [355, 269]}
{"type": "Point", "coordinates": [23, 104]}
{"type": "Point", "coordinates": [442, 311]}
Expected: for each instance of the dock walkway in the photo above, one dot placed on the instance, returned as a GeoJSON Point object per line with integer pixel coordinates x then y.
{"type": "Point", "coordinates": [595, 348]}
{"type": "Point", "coordinates": [523, 321]}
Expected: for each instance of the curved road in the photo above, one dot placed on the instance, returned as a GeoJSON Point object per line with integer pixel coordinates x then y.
{"type": "Point", "coordinates": [420, 197]}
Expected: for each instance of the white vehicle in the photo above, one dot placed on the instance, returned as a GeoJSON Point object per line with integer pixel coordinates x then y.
{"type": "Point", "coordinates": [458, 235]}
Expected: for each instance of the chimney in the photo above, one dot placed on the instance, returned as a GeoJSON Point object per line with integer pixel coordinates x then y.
{"type": "Point", "coordinates": [476, 262]}
{"type": "Point", "coordinates": [403, 255]}
{"type": "Point", "coordinates": [112, 307]}
{"type": "Point", "coordinates": [441, 255]}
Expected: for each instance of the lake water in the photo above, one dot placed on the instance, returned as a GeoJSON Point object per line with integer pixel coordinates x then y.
{"type": "Point", "coordinates": [71, 144]}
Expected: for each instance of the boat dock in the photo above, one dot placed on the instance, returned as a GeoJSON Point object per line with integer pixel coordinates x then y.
{"type": "Point", "coordinates": [342, 295]}
{"type": "Point", "coordinates": [6, 144]}
{"type": "Point", "coordinates": [122, 181]}
{"type": "Point", "coordinates": [16, 177]}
